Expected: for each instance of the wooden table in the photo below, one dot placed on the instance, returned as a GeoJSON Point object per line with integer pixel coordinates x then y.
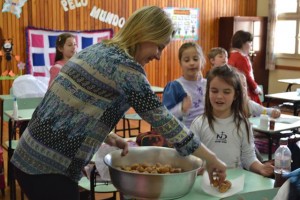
{"type": "Point", "coordinates": [292, 97]}
{"type": "Point", "coordinates": [290, 82]}
{"type": "Point", "coordinates": [283, 123]}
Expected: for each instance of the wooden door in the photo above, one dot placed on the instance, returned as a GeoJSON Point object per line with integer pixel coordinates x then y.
{"type": "Point", "coordinates": [258, 27]}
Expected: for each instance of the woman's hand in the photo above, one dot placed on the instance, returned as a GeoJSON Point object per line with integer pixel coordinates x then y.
{"type": "Point", "coordinates": [216, 168]}
{"type": "Point", "coordinates": [114, 140]}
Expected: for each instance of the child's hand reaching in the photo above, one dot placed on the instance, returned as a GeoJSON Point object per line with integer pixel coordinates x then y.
{"type": "Point", "coordinates": [186, 104]}
{"type": "Point", "coordinates": [275, 113]}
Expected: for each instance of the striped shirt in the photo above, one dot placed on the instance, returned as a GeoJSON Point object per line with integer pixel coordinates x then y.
{"type": "Point", "coordinates": [86, 100]}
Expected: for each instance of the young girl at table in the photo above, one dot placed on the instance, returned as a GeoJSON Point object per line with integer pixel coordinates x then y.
{"type": "Point", "coordinates": [66, 47]}
{"type": "Point", "coordinates": [184, 97]}
{"type": "Point", "coordinates": [224, 127]}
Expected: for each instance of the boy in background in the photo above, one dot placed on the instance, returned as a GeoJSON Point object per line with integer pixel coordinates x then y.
{"type": "Point", "coordinates": [217, 56]}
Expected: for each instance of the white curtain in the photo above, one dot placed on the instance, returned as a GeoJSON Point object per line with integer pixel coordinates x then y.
{"type": "Point", "coordinates": [272, 19]}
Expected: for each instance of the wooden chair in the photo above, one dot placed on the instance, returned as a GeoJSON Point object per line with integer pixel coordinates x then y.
{"type": "Point", "coordinates": [11, 145]}
{"type": "Point", "coordinates": [126, 119]}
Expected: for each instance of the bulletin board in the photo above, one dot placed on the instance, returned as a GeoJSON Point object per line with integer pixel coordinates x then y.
{"type": "Point", "coordinates": [186, 21]}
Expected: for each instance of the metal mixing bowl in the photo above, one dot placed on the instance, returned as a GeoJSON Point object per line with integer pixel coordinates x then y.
{"type": "Point", "coordinates": [152, 186]}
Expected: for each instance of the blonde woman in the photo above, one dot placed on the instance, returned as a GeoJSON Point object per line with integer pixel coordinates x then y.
{"type": "Point", "coordinates": [87, 99]}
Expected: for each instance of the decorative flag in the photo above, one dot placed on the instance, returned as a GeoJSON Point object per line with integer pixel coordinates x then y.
{"type": "Point", "coordinates": [40, 46]}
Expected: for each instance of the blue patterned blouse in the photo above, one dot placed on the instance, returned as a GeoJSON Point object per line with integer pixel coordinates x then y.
{"type": "Point", "coordinates": [85, 102]}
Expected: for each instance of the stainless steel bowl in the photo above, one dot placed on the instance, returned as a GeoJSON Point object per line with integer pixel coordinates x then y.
{"type": "Point", "coordinates": [152, 186]}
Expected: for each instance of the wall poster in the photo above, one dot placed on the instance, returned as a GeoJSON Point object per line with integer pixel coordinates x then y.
{"type": "Point", "coordinates": [186, 21]}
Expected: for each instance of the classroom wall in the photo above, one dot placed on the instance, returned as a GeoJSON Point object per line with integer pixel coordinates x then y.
{"type": "Point", "coordinates": [50, 14]}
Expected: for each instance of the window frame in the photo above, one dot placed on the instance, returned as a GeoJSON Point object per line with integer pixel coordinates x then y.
{"type": "Point", "coordinates": [292, 16]}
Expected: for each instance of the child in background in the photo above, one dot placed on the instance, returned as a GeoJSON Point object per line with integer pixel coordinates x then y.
{"type": "Point", "coordinates": [241, 45]}
{"type": "Point", "coordinates": [224, 127]}
{"type": "Point", "coordinates": [217, 56]}
{"type": "Point", "coordinates": [66, 47]}
{"type": "Point", "coordinates": [254, 108]}
{"type": "Point", "coordinates": [184, 97]}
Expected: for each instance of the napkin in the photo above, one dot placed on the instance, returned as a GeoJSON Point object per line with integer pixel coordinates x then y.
{"type": "Point", "coordinates": [237, 186]}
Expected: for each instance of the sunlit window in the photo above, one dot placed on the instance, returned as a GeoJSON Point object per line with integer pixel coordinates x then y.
{"type": "Point", "coordinates": [287, 28]}
{"type": "Point", "coordinates": [286, 6]}
{"type": "Point", "coordinates": [256, 36]}
{"type": "Point", "coordinates": [285, 40]}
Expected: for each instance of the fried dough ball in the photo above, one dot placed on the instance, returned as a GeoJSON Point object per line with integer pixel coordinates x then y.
{"type": "Point", "coordinates": [157, 168]}
{"type": "Point", "coordinates": [215, 182]}
{"type": "Point", "coordinates": [225, 186]}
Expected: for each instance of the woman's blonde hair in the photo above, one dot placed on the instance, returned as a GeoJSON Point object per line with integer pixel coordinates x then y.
{"type": "Point", "coordinates": [148, 24]}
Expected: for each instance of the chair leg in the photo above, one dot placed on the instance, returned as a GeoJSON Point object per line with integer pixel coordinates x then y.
{"type": "Point", "coordinates": [92, 183]}
{"type": "Point", "coordinates": [128, 127]}
{"type": "Point", "coordinates": [124, 128]}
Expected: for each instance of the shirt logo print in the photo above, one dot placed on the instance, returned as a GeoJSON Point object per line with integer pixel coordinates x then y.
{"type": "Point", "coordinates": [221, 138]}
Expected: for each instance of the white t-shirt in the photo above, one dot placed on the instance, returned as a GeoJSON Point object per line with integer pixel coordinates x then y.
{"type": "Point", "coordinates": [229, 144]}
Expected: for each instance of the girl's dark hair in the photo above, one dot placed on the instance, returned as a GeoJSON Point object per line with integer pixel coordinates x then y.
{"type": "Point", "coordinates": [232, 77]}
{"type": "Point", "coordinates": [60, 42]}
{"type": "Point", "coordinates": [241, 37]}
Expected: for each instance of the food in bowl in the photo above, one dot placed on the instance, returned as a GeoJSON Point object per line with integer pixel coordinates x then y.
{"type": "Point", "coordinates": [157, 168]}
{"type": "Point", "coordinates": [136, 185]}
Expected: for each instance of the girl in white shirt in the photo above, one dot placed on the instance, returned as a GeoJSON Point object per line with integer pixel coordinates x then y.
{"type": "Point", "coordinates": [224, 127]}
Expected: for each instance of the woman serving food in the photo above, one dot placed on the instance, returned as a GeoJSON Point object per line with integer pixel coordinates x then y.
{"type": "Point", "coordinates": [87, 99]}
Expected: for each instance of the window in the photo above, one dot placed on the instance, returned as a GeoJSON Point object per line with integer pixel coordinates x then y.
{"type": "Point", "coordinates": [287, 33]}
